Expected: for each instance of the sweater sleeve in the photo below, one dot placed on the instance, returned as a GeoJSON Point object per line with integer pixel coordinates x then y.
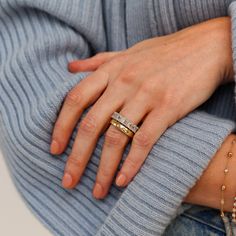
{"type": "Point", "coordinates": [232, 14]}
{"type": "Point", "coordinates": [38, 38]}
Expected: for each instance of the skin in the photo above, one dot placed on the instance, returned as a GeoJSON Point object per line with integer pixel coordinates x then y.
{"type": "Point", "coordinates": [198, 58]}
{"type": "Point", "coordinates": [207, 190]}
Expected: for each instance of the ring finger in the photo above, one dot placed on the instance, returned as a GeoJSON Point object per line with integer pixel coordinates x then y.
{"type": "Point", "coordinates": [114, 145]}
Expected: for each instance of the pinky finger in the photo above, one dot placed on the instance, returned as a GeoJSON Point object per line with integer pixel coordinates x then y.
{"type": "Point", "coordinates": [92, 63]}
{"type": "Point", "coordinates": [149, 132]}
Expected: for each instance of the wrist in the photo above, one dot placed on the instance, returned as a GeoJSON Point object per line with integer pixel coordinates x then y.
{"type": "Point", "coordinates": [223, 32]}
{"type": "Point", "coordinates": [217, 39]}
{"type": "Point", "coordinates": [206, 191]}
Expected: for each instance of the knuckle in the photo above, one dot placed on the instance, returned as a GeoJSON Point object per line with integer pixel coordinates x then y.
{"type": "Point", "coordinates": [75, 160]}
{"type": "Point", "coordinates": [59, 129]}
{"type": "Point", "coordinates": [131, 164]}
{"type": "Point", "coordinates": [106, 173]}
{"type": "Point", "coordinates": [74, 97]}
{"type": "Point", "coordinates": [113, 137]}
{"type": "Point", "coordinates": [141, 140]}
{"type": "Point", "coordinates": [88, 124]}
{"type": "Point", "coordinates": [147, 88]}
{"type": "Point", "coordinates": [116, 60]}
{"type": "Point", "coordinates": [127, 77]}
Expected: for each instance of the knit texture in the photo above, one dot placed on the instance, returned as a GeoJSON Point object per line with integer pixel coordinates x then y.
{"type": "Point", "coordinates": [38, 39]}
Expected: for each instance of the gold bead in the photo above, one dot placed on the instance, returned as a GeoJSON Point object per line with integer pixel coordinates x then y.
{"type": "Point", "coordinates": [222, 201]}
{"type": "Point", "coordinates": [230, 154]}
{"type": "Point", "coordinates": [223, 187]}
{"type": "Point", "coordinates": [234, 141]}
{"type": "Point", "coordinates": [226, 171]}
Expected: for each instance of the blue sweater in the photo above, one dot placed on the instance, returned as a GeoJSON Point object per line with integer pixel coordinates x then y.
{"type": "Point", "coordinates": [37, 39]}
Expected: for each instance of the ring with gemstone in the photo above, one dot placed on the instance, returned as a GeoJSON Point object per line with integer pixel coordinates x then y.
{"type": "Point", "coordinates": [125, 121]}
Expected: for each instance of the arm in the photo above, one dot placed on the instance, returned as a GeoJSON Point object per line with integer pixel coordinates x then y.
{"type": "Point", "coordinates": [206, 191]}
{"type": "Point", "coordinates": [209, 181]}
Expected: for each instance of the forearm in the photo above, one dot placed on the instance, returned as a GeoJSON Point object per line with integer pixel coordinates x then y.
{"type": "Point", "coordinates": [207, 191]}
{"type": "Point", "coordinates": [224, 24]}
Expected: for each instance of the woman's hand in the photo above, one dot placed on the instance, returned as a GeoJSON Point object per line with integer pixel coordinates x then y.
{"type": "Point", "coordinates": [154, 84]}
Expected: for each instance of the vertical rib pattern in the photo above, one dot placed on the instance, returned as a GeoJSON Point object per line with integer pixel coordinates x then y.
{"type": "Point", "coordinates": [38, 38]}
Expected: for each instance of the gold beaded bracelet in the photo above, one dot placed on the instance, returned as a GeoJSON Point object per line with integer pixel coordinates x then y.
{"type": "Point", "coordinates": [223, 187]}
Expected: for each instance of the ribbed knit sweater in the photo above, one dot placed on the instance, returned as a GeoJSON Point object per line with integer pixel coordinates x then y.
{"type": "Point", "coordinates": [37, 40]}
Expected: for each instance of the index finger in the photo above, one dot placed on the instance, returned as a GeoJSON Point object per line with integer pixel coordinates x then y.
{"type": "Point", "coordinates": [80, 97]}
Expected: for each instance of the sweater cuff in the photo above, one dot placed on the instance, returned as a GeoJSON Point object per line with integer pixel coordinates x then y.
{"type": "Point", "coordinates": [173, 166]}
{"type": "Point", "coordinates": [232, 14]}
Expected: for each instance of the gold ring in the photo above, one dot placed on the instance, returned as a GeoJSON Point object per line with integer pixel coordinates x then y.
{"type": "Point", "coordinates": [125, 121]}
{"type": "Point", "coordinates": [122, 128]}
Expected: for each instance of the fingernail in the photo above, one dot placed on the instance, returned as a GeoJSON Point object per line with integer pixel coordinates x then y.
{"type": "Point", "coordinates": [120, 180]}
{"type": "Point", "coordinates": [98, 190]}
{"type": "Point", "coordinates": [67, 180]}
{"type": "Point", "coordinates": [54, 149]}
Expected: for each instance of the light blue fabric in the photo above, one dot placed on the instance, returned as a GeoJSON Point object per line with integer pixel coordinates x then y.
{"type": "Point", "coordinates": [38, 38]}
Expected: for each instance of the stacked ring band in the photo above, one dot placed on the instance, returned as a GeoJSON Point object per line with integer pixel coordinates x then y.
{"type": "Point", "coordinates": [121, 127]}
{"type": "Point", "coordinates": [126, 122]}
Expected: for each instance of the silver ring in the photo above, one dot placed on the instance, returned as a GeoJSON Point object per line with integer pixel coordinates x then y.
{"type": "Point", "coordinates": [126, 122]}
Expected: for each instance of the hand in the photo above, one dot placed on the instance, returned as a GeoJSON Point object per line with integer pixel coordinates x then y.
{"type": "Point", "coordinates": [154, 84]}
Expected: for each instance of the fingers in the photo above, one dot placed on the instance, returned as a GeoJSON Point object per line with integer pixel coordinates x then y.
{"type": "Point", "coordinates": [92, 63]}
{"type": "Point", "coordinates": [88, 133]}
{"type": "Point", "coordinates": [86, 93]}
{"type": "Point", "coordinates": [80, 97]}
{"type": "Point", "coordinates": [150, 131]}
{"type": "Point", "coordinates": [113, 148]}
